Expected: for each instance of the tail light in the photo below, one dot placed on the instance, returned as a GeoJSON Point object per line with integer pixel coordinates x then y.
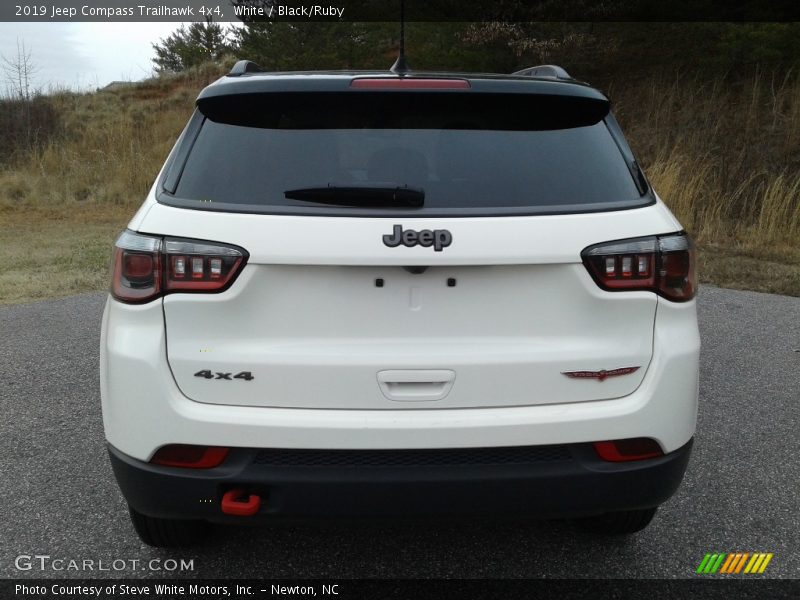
{"type": "Point", "coordinates": [663, 264]}
{"type": "Point", "coordinates": [189, 456]}
{"type": "Point", "coordinates": [146, 267]}
{"type": "Point", "coordinates": [136, 275]}
{"type": "Point", "coordinates": [628, 450]}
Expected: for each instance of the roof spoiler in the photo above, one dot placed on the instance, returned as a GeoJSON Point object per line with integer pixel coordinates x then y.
{"type": "Point", "coordinates": [243, 67]}
{"type": "Point", "coordinates": [298, 108]}
{"type": "Point", "coordinates": [548, 71]}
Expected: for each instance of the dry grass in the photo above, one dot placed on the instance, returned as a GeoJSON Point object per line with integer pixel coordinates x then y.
{"type": "Point", "coordinates": [113, 146]}
{"type": "Point", "coordinates": [761, 271]}
{"type": "Point", "coordinates": [725, 155]}
{"type": "Point", "coordinates": [46, 255]}
{"type": "Point", "coordinates": [63, 204]}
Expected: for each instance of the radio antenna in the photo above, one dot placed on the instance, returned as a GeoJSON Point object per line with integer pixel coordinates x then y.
{"type": "Point", "coordinates": [400, 66]}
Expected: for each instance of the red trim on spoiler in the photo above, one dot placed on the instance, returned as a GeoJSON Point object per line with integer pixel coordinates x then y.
{"type": "Point", "coordinates": [392, 83]}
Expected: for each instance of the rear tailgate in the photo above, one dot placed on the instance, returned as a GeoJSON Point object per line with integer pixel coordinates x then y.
{"type": "Point", "coordinates": [483, 325]}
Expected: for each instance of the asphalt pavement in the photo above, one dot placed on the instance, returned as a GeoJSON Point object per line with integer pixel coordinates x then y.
{"type": "Point", "coordinates": [741, 493]}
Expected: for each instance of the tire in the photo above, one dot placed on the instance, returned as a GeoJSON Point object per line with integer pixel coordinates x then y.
{"type": "Point", "coordinates": [168, 533]}
{"type": "Point", "coordinates": [618, 523]}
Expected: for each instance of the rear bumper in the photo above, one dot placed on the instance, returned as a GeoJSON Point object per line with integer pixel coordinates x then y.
{"type": "Point", "coordinates": [143, 409]}
{"type": "Point", "coordinates": [552, 481]}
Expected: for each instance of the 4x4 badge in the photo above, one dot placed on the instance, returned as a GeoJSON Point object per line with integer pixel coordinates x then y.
{"type": "Point", "coordinates": [438, 238]}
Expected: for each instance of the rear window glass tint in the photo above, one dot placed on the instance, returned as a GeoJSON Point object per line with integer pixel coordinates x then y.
{"type": "Point", "coordinates": [466, 162]}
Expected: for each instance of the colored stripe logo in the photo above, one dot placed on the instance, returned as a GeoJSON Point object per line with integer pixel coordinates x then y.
{"type": "Point", "coordinates": [734, 563]}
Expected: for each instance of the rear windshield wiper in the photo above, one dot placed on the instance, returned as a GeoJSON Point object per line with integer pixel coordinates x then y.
{"type": "Point", "coordinates": [361, 195]}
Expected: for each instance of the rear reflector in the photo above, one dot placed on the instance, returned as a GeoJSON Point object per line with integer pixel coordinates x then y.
{"type": "Point", "coordinates": [145, 267]}
{"type": "Point", "coordinates": [628, 450]}
{"type": "Point", "coordinates": [189, 457]}
{"type": "Point", "coordinates": [663, 264]}
{"type": "Point", "coordinates": [408, 83]}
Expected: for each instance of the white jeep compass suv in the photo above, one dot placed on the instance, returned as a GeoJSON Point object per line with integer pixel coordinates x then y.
{"type": "Point", "coordinates": [366, 293]}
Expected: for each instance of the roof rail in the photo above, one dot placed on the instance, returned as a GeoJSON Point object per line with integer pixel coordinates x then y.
{"type": "Point", "coordinates": [551, 71]}
{"type": "Point", "coordinates": [244, 66]}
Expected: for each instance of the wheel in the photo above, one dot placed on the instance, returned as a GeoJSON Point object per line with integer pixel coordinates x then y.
{"type": "Point", "coordinates": [618, 523]}
{"type": "Point", "coordinates": [168, 533]}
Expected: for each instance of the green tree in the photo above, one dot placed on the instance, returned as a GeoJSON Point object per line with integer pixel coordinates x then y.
{"type": "Point", "coordinates": [286, 46]}
{"type": "Point", "coordinates": [187, 47]}
{"type": "Point", "coordinates": [743, 44]}
{"type": "Point", "coordinates": [282, 46]}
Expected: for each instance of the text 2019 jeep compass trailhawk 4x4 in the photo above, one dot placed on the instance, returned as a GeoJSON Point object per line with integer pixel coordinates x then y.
{"type": "Point", "coordinates": [376, 293]}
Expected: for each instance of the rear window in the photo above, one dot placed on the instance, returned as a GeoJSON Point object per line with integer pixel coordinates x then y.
{"type": "Point", "coordinates": [471, 156]}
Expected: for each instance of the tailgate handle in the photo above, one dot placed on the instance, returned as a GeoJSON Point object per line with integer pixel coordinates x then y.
{"type": "Point", "coordinates": [416, 385]}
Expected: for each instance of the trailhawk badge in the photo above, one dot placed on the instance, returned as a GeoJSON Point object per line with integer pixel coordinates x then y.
{"type": "Point", "coordinates": [438, 238]}
{"type": "Point", "coordinates": [600, 375]}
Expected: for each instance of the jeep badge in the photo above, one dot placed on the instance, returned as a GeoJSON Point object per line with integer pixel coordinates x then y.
{"type": "Point", "coordinates": [438, 238]}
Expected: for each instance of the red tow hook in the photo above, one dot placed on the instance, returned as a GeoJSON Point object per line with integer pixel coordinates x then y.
{"type": "Point", "coordinates": [236, 502]}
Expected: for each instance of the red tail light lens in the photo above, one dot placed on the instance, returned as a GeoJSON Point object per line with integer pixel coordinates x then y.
{"type": "Point", "coordinates": [408, 83]}
{"type": "Point", "coordinates": [146, 267]}
{"type": "Point", "coordinates": [677, 269]}
{"type": "Point", "coordinates": [189, 457]}
{"type": "Point", "coordinates": [199, 266]}
{"type": "Point", "coordinates": [136, 273]}
{"type": "Point", "coordinates": [661, 264]}
{"type": "Point", "coordinates": [628, 450]}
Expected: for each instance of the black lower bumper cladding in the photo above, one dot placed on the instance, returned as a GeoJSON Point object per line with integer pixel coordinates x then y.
{"type": "Point", "coordinates": [542, 481]}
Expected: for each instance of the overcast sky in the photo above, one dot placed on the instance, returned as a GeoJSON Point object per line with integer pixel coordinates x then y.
{"type": "Point", "coordinates": [84, 55]}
